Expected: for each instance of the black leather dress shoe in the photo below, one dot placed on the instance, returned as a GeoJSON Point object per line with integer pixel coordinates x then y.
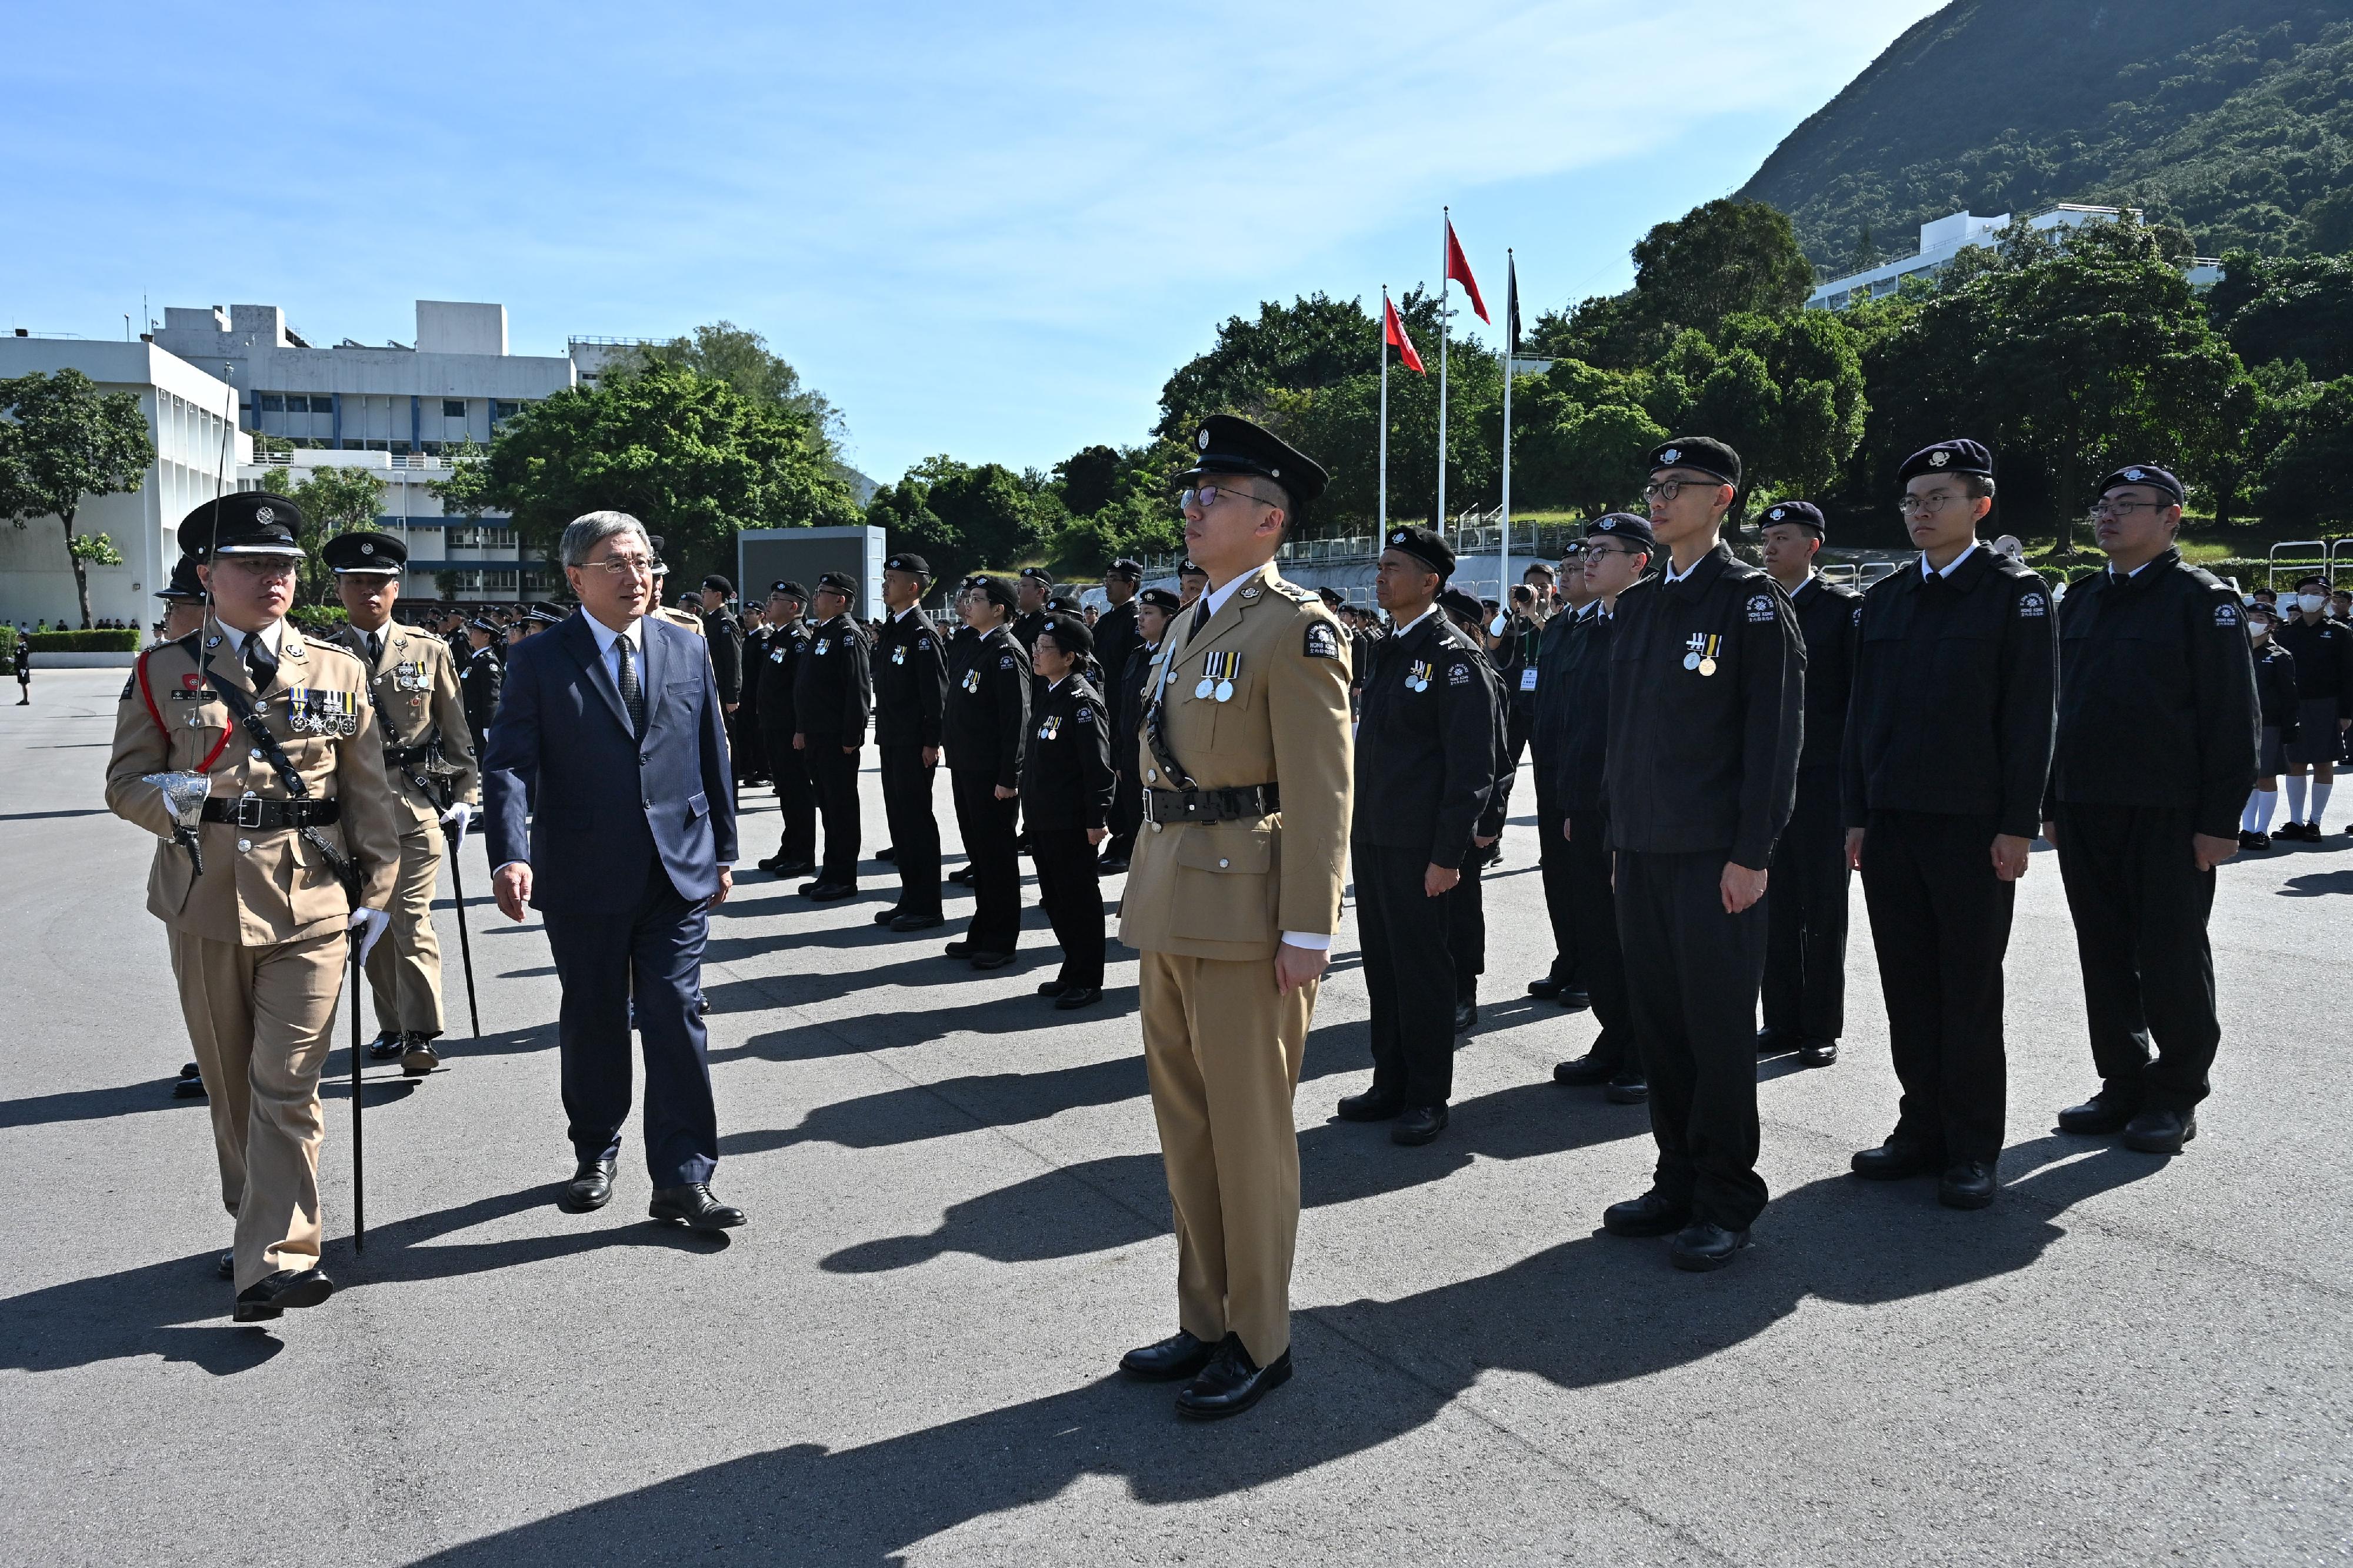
{"type": "Point", "coordinates": [1626, 1086]}
{"type": "Point", "coordinates": [991, 960]}
{"type": "Point", "coordinates": [190, 1084]}
{"type": "Point", "coordinates": [1703, 1245]}
{"type": "Point", "coordinates": [227, 1267]}
{"type": "Point", "coordinates": [1575, 998]}
{"type": "Point", "coordinates": [1181, 1354]}
{"type": "Point", "coordinates": [1773, 1042]}
{"type": "Point", "coordinates": [1231, 1383]}
{"type": "Point", "coordinates": [1893, 1161]}
{"type": "Point", "coordinates": [419, 1058]}
{"type": "Point", "coordinates": [959, 948]}
{"type": "Point", "coordinates": [1590, 1067]}
{"type": "Point", "coordinates": [1968, 1185]}
{"type": "Point", "coordinates": [1112, 864]}
{"type": "Point", "coordinates": [386, 1046]}
{"type": "Point", "coordinates": [961, 874]}
{"type": "Point", "coordinates": [1650, 1215]}
{"type": "Point", "coordinates": [693, 1206]}
{"type": "Point", "coordinates": [829, 892]}
{"type": "Point", "coordinates": [270, 1298]}
{"type": "Point", "coordinates": [1818, 1052]}
{"type": "Point", "coordinates": [2104, 1112]}
{"type": "Point", "coordinates": [1466, 1016]}
{"type": "Point", "coordinates": [1053, 987]}
{"type": "Point", "coordinates": [1078, 996]}
{"type": "Point", "coordinates": [1370, 1106]}
{"type": "Point", "coordinates": [789, 868]}
{"type": "Point", "coordinates": [1418, 1124]}
{"type": "Point", "coordinates": [2160, 1132]}
{"type": "Point", "coordinates": [917, 923]}
{"type": "Point", "coordinates": [884, 917]}
{"type": "Point", "coordinates": [1548, 988]}
{"type": "Point", "coordinates": [591, 1187]}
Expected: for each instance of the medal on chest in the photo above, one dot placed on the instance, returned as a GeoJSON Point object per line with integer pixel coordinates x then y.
{"type": "Point", "coordinates": [971, 682]}
{"type": "Point", "coordinates": [898, 654]}
{"type": "Point", "coordinates": [309, 712]}
{"type": "Point", "coordinates": [408, 675]}
{"type": "Point", "coordinates": [823, 644]}
{"type": "Point", "coordinates": [1700, 650]}
{"type": "Point", "coordinates": [1417, 678]}
{"type": "Point", "coordinates": [1218, 671]}
{"type": "Point", "coordinates": [1050, 728]}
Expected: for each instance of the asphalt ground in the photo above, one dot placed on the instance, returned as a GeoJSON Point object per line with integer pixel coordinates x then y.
{"type": "Point", "coordinates": [959, 1223]}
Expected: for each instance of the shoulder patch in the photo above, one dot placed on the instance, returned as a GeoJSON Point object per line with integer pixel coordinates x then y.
{"type": "Point", "coordinates": [1858, 614]}
{"type": "Point", "coordinates": [1086, 714]}
{"type": "Point", "coordinates": [1458, 675]}
{"type": "Point", "coordinates": [1005, 661]}
{"type": "Point", "coordinates": [2033, 604]}
{"type": "Point", "coordinates": [2226, 615]}
{"type": "Point", "coordinates": [130, 687]}
{"type": "Point", "coordinates": [1760, 607]}
{"type": "Point", "coordinates": [1323, 640]}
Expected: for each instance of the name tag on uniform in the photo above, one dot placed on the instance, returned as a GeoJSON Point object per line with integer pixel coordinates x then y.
{"type": "Point", "coordinates": [1528, 678]}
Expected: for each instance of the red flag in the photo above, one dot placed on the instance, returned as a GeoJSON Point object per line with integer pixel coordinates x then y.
{"type": "Point", "coordinates": [1394, 329]}
{"type": "Point", "coordinates": [1458, 266]}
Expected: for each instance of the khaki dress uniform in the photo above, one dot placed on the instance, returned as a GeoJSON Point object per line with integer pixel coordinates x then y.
{"type": "Point", "coordinates": [259, 941]}
{"type": "Point", "coordinates": [1207, 904]}
{"type": "Point", "coordinates": [417, 706]}
{"type": "Point", "coordinates": [679, 617]}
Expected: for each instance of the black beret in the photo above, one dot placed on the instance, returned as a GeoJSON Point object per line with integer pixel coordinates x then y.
{"type": "Point", "coordinates": [1423, 544]}
{"type": "Point", "coordinates": [1706, 453]}
{"type": "Point", "coordinates": [1802, 513]}
{"type": "Point", "coordinates": [1066, 603]}
{"type": "Point", "coordinates": [1159, 599]}
{"type": "Point", "coordinates": [1455, 602]}
{"type": "Point", "coordinates": [364, 552]}
{"type": "Point", "coordinates": [2145, 473]}
{"type": "Point", "coordinates": [245, 522]}
{"type": "Point", "coordinates": [789, 589]}
{"type": "Point", "coordinates": [1623, 525]}
{"type": "Point", "coordinates": [1231, 446]}
{"type": "Point", "coordinates": [1954, 456]}
{"type": "Point", "coordinates": [904, 562]}
{"type": "Point", "coordinates": [183, 586]}
{"type": "Point", "coordinates": [1125, 567]}
{"type": "Point", "coordinates": [1190, 570]}
{"type": "Point", "coordinates": [840, 583]}
{"type": "Point", "coordinates": [998, 589]}
{"type": "Point", "coordinates": [718, 584]}
{"type": "Point", "coordinates": [1070, 634]}
{"type": "Point", "coordinates": [1037, 572]}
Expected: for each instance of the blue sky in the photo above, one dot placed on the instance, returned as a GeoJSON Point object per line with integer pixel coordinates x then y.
{"type": "Point", "coordinates": [987, 230]}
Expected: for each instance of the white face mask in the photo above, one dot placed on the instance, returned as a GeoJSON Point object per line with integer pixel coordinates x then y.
{"type": "Point", "coordinates": [2310, 604]}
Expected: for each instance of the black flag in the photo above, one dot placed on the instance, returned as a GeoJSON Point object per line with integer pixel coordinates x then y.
{"type": "Point", "coordinates": [1511, 306]}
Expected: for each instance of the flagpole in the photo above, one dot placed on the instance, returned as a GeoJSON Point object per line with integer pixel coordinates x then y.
{"type": "Point", "coordinates": [1445, 275]}
{"type": "Point", "coordinates": [1384, 531]}
{"type": "Point", "coordinates": [1510, 304]}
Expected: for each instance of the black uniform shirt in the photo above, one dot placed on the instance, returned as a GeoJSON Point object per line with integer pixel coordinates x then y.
{"type": "Point", "coordinates": [1499, 794]}
{"type": "Point", "coordinates": [1066, 770]}
{"type": "Point", "coordinates": [723, 637]}
{"type": "Point", "coordinates": [1425, 742]}
{"type": "Point", "coordinates": [1027, 627]}
{"type": "Point", "coordinates": [779, 672]}
{"type": "Point", "coordinates": [988, 705]}
{"type": "Point", "coordinates": [1955, 695]}
{"type": "Point", "coordinates": [1585, 702]}
{"type": "Point", "coordinates": [2276, 690]}
{"type": "Point", "coordinates": [910, 681]}
{"type": "Point", "coordinates": [1826, 618]}
{"type": "Point", "coordinates": [833, 691]}
{"type": "Point", "coordinates": [1706, 691]}
{"type": "Point", "coordinates": [1127, 703]}
{"type": "Point", "coordinates": [479, 676]}
{"type": "Point", "coordinates": [1117, 635]}
{"type": "Point", "coordinates": [1556, 652]}
{"type": "Point", "coordinates": [2157, 695]}
{"type": "Point", "coordinates": [2324, 658]}
{"type": "Point", "coordinates": [755, 654]}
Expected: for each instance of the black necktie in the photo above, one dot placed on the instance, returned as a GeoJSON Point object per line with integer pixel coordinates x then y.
{"type": "Point", "coordinates": [375, 648]}
{"type": "Point", "coordinates": [1200, 618]}
{"type": "Point", "coordinates": [633, 696]}
{"type": "Point", "coordinates": [260, 662]}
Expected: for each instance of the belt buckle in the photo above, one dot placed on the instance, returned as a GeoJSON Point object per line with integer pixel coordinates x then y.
{"type": "Point", "coordinates": [249, 810]}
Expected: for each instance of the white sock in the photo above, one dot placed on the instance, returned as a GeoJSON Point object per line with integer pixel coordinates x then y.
{"type": "Point", "coordinates": [2320, 788]}
{"type": "Point", "coordinates": [2247, 814]}
{"type": "Point", "coordinates": [2266, 802]}
{"type": "Point", "coordinates": [2294, 783]}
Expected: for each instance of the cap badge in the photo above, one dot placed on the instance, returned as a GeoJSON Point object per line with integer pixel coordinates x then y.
{"type": "Point", "coordinates": [1938, 460]}
{"type": "Point", "coordinates": [264, 514]}
{"type": "Point", "coordinates": [367, 549]}
{"type": "Point", "coordinates": [1398, 537]}
{"type": "Point", "coordinates": [2134, 474]}
{"type": "Point", "coordinates": [1609, 523]}
{"type": "Point", "coordinates": [1670, 455]}
{"type": "Point", "coordinates": [1204, 437]}
{"type": "Point", "coordinates": [1778, 514]}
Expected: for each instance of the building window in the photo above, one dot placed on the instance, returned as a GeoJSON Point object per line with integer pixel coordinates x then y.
{"type": "Point", "coordinates": [453, 408]}
{"type": "Point", "coordinates": [501, 409]}
{"type": "Point", "coordinates": [273, 402]}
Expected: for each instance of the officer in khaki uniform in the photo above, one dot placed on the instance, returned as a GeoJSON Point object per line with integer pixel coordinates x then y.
{"type": "Point", "coordinates": [258, 934]}
{"type": "Point", "coordinates": [1233, 895]}
{"type": "Point", "coordinates": [429, 761]}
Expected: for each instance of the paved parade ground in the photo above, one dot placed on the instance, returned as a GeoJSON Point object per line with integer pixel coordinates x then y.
{"type": "Point", "coordinates": [959, 1223]}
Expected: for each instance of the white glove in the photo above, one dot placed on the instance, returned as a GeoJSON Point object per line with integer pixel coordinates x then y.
{"type": "Point", "coordinates": [454, 823]}
{"type": "Point", "coordinates": [376, 921]}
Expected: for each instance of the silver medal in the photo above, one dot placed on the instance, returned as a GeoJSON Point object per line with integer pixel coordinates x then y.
{"type": "Point", "coordinates": [1207, 687]}
{"type": "Point", "coordinates": [1691, 661]}
{"type": "Point", "coordinates": [1225, 691]}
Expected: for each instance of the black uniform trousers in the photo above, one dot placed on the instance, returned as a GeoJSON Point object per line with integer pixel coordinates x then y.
{"type": "Point", "coordinates": [1692, 973]}
{"type": "Point", "coordinates": [1071, 889]}
{"type": "Point", "coordinates": [833, 781]}
{"type": "Point", "coordinates": [1806, 916]}
{"type": "Point", "coordinates": [914, 830]}
{"type": "Point", "coordinates": [1409, 972]}
{"type": "Point", "coordinates": [2140, 905]}
{"type": "Point", "coordinates": [1126, 816]}
{"type": "Point", "coordinates": [1586, 863]}
{"type": "Point", "coordinates": [1553, 868]}
{"type": "Point", "coordinates": [794, 801]}
{"type": "Point", "coordinates": [1940, 921]}
{"type": "Point", "coordinates": [1519, 728]}
{"type": "Point", "coordinates": [986, 826]}
{"type": "Point", "coordinates": [1466, 927]}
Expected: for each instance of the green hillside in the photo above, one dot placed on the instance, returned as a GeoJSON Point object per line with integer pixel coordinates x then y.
{"type": "Point", "coordinates": [2231, 119]}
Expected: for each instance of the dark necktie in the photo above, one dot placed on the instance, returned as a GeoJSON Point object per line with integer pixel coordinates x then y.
{"type": "Point", "coordinates": [375, 648]}
{"type": "Point", "coordinates": [260, 662]}
{"type": "Point", "coordinates": [1200, 618]}
{"type": "Point", "coordinates": [633, 696]}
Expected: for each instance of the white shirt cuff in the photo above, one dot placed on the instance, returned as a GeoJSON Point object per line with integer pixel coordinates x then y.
{"type": "Point", "coordinates": [1314, 942]}
{"type": "Point", "coordinates": [504, 863]}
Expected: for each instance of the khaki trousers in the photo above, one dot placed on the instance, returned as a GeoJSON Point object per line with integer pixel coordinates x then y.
{"type": "Point", "coordinates": [1223, 1049]}
{"type": "Point", "coordinates": [404, 973]}
{"type": "Point", "coordinates": [261, 1020]}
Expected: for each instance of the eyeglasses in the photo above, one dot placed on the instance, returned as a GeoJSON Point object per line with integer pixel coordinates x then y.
{"type": "Point", "coordinates": [1668, 490]}
{"type": "Point", "coordinates": [2124, 509]}
{"type": "Point", "coordinates": [1599, 551]}
{"type": "Point", "coordinates": [619, 567]}
{"type": "Point", "coordinates": [1927, 506]}
{"type": "Point", "coordinates": [263, 568]}
{"type": "Point", "coordinates": [1206, 496]}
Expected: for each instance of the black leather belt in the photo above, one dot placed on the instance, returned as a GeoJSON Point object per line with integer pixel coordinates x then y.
{"type": "Point", "coordinates": [252, 811]}
{"type": "Point", "coordinates": [1247, 803]}
{"type": "Point", "coordinates": [405, 756]}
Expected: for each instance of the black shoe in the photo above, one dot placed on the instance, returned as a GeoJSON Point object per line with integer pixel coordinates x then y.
{"type": "Point", "coordinates": [2256, 841]}
{"type": "Point", "coordinates": [1466, 1016]}
{"type": "Point", "coordinates": [1575, 998]}
{"type": "Point", "coordinates": [1818, 1053]}
{"type": "Point", "coordinates": [1079, 996]}
{"type": "Point", "coordinates": [420, 1057]}
{"type": "Point", "coordinates": [188, 1086]}
{"type": "Point", "coordinates": [1626, 1086]}
{"type": "Point", "coordinates": [884, 917]}
{"type": "Point", "coordinates": [917, 923]}
{"type": "Point", "coordinates": [829, 892]}
{"type": "Point", "coordinates": [1968, 1185]}
{"type": "Point", "coordinates": [1650, 1215]}
{"type": "Point", "coordinates": [1891, 1162]}
{"type": "Point", "coordinates": [1418, 1124]}
{"type": "Point", "coordinates": [270, 1299]}
{"type": "Point", "coordinates": [2246, 838]}
{"type": "Point", "coordinates": [959, 948]}
{"type": "Point", "coordinates": [226, 1266]}
{"type": "Point", "coordinates": [590, 1188]}
{"type": "Point", "coordinates": [1231, 1383]}
{"type": "Point", "coordinates": [789, 868]}
{"type": "Point", "coordinates": [1181, 1354]}
{"type": "Point", "coordinates": [1370, 1106]}
{"type": "Point", "coordinates": [1053, 987]}
{"type": "Point", "coordinates": [1548, 988]}
{"type": "Point", "coordinates": [2103, 1114]}
{"type": "Point", "coordinates": [1773, 1042]}
{"type": "Point", "coordinates": [1703, 1245]}
{"type": "Point", "coordinates": [1112, 863]}
{"type": "Point", "coordinates": [961, 874]}
{"type": "Point", "coordinates": [888, 852]}
{"type": "Point", "coordinates": [1590, 1067]}
{"type": "Point", "coordinates": [2314, 833]}
{"type": "Point", "coordinates": [387, 1047]}
{"type": "Point", "coordinates": [2160, 1132]}
{"type": "Point", "coordinates": [991, 960]}
{"type": "Point", "coordinates": [693, 1206]}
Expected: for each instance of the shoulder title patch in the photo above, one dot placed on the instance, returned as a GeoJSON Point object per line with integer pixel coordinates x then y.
{"type": "Point", "coordinates": [2031, 605]}
{"type": "Point", "coordinates": [1322, 641]}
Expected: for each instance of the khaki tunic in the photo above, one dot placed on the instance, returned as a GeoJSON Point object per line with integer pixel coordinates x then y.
{"type": "Point", "coordinates": [679, 617]}
{"type": "Point", "coordinates": [1208, 904]}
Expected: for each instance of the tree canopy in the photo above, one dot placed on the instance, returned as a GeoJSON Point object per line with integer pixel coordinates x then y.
{"type": "Point", "coordinates": [63, 441]}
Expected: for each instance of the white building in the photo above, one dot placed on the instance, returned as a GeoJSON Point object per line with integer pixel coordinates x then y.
{"type": "Point", "coordinates": [1940, 241]}
{"type": "Point", "coordinates": [471, 558]}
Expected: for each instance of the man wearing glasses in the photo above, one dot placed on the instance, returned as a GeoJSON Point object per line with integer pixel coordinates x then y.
{"type": "Point", "coordinates": [2156, 753]}
{"type": "Point", "coordinates": [1558, 652]}
{"type": "Point", "coordinates": [1707, 678]}
{"type": "Point", "coordinates": [1947, 750]}
{"type": "Point", "coordinates": [615, 714]}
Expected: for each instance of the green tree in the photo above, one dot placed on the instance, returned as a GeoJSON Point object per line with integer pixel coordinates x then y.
{"type": "Point", "coordinates": [1722, 258]}
{"type": "Point", "coordinates": [742, 358]}
{"type": "Point", "coordinates": [2297, 308]}
{"type": "Point", "coordinates": [2303, 475]}
{"type": "Point", "coordinates": [1089, 478]}
{"type": "Point", "coordinates": [63, 441]}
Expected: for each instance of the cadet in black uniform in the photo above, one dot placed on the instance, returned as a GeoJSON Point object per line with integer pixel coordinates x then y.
{"type": "Point", "coordinates": [1706, 692]}
{"type": "Point", "coordinates": [479, 675]}
{"type": "Point", "coordinates": [2323, 674]}
{"type": "Point", "coordinates": [1425, 766]}
{"type": "Point", "coordinates": [1066, 795]}
{"type": "Point", "coordinates": [1548, 735]}
{"type": "Point", "coordinates": [1948, 748]}
{"type": "Point", "coordinates": [724, 634]}
{"type": "Point", "coordinates": [988, 732]}
{"type": "Point", "coordinates": [910, 685]}
{"type": "Point", "coordinates": [2281, 705]}
{"type": "Point", "coordinates": [2156, 750]}
{"type": "Point", "coordinates": [779, 672]}
{"type": "Point", "coordinates": [1155, 608]}
{"type": "Point", "coordinates": [24, 662]}
{"type": "Point", "coordinates": [1515, 660]}
{"type": "Point", "coordinates": [751, 757]}
{"type": "Point", "coordinates": [1806, 915]}
{"type": "Point", "coordinates": [1034, 587]}
{"type": "Point", "coordinates": [1466, 906]}
{"type": "Point", "coordinates": [1115, 637]}
{"type": "Point", "coordinates": [1574, 734]}
{"type": "Point", "coordinates": [833, 695]}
